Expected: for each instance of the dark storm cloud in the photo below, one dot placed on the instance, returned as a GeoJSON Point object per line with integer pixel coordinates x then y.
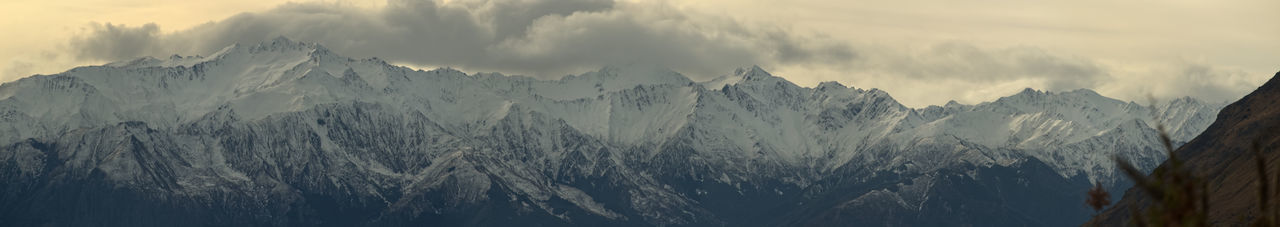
{"type": "Point", "coordinates": [539, 37]}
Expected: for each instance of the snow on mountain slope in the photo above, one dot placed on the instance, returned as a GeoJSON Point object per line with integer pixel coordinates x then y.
{"type": "Point", "coordinates": [627, 105]}
{"type": "Point", "coordinates": [1048, 125]}
{"type": "Point", "coordinates": [631, 144]}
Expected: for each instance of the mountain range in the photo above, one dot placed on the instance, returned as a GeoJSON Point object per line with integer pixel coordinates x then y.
{"type": "Point", "coordinates": [291, 133]}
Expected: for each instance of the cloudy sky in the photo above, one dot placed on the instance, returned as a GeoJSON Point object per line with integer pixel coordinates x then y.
{"type": "Point", "coordinates": [924, 52]}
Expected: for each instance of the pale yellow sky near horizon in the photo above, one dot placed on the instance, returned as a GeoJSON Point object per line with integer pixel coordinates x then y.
{"type": "Point", "coordinates": [1139, 43]}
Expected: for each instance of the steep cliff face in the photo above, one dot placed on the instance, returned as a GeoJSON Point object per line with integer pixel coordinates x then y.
{"type": "Point", "coordinates": [1222, 156]}
{"type": "Point", "coordinates": [288, 133]}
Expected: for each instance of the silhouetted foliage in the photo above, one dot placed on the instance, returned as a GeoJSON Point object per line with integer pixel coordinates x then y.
{"type": "Point", "coordinates": [1098, 197]}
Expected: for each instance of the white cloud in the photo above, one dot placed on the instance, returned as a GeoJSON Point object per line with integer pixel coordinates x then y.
{"type": "Point", "coordinates": [1184, 78]}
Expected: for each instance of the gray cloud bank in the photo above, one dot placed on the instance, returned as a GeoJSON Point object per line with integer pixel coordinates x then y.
{"type": "Point", "coordinates": [962, 61]}
{"type": "Point", "coordinates": [536, 37]}
{"type": "Point", "coordinates": [550, 38]}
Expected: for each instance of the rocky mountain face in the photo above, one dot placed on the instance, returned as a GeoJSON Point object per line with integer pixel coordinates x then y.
{"type": "Point", "coordinates": [1222, 155]}
{"type": "Point", "coordinates": [289, 133]}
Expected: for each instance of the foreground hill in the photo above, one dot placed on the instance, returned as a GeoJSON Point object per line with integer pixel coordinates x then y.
{"type": "Point", "coordinates": [1222, 156]}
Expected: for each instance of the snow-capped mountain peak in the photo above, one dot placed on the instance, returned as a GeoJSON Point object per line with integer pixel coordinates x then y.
{"type": "Point", "coordinates": [753, 73]}
{"type": "Point", "coordinates": [830, 85]}
{"type": "Point", "coordinates": [281, 43]}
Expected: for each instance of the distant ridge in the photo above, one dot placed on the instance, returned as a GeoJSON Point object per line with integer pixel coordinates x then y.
{"type": "Point", "coordinates": [290, 133]}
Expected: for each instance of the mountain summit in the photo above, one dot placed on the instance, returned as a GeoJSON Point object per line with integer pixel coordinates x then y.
{"type": "Point", "coordinates": [289, 133]}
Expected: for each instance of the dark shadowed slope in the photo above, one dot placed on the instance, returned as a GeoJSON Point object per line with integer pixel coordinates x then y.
{"type": "Point", "coordinates": [1222, 156]}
